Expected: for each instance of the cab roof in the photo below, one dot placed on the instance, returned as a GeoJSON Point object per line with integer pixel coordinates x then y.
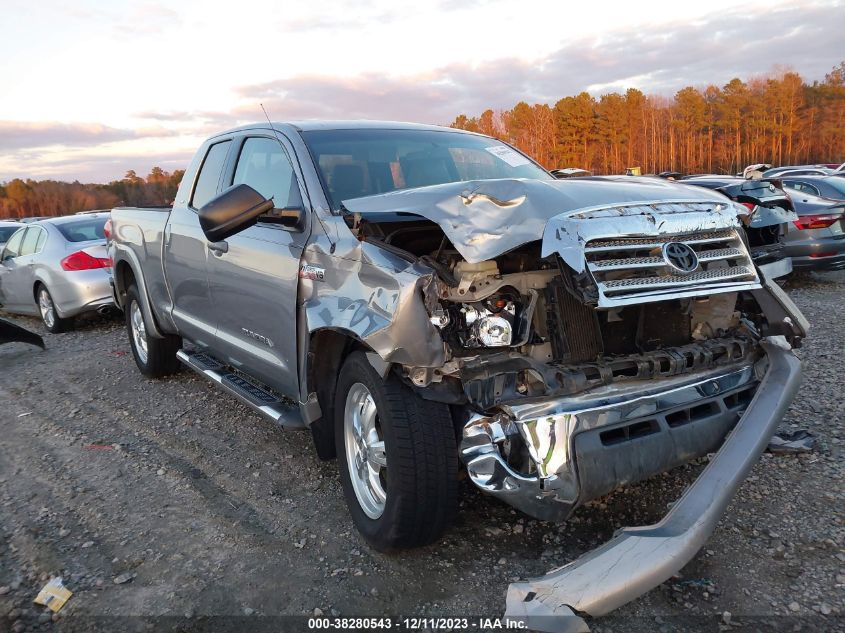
{"type": "Point", "coordinates": [352, 124]}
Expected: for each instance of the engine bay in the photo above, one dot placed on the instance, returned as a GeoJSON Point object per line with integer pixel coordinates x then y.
{"type": "Point", "coordinates": [524, 326]}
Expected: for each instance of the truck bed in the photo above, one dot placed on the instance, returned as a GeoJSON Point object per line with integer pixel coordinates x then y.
{"type": "Point", "coordinates": [140, 232]}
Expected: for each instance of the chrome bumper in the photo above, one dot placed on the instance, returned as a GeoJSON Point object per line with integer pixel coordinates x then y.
{"type": "Point", "coordinates": [638, 559]}
{"type": "Point", "coordinates": [585, 446]}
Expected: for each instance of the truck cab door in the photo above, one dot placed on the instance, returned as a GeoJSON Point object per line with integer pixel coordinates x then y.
{"type": "Point", "coordinates": [186, 253]}
{"type": "Point", "coordinates": [254, 278]}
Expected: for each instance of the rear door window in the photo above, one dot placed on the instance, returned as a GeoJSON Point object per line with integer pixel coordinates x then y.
{"type": "Point", "coordinates": [30, 240]}
{"type": "Point", "coordinates": [802, 186]}
{"type": "Point", "coordinates": [209, 176]}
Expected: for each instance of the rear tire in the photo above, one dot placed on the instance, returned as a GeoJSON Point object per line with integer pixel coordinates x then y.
{"type": "Point", "coordinates": [402, 488]}
{"type": "Point", "coordinates": [47, 309]}
{"type": "Point", "coordinates": [155, 357]}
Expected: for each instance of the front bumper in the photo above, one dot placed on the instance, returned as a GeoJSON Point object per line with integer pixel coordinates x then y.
{"type": "Point", "coordinates": [583, 447]}
{"type": "Point", "coordinates": [640, 558]}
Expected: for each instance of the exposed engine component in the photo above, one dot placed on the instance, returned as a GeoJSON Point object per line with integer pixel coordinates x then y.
{"type": "Point", "coordinates": [490, 322]}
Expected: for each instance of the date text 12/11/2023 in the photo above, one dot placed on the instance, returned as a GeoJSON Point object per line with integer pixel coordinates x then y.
{"type": "Point", "coordinates": [478, 623]}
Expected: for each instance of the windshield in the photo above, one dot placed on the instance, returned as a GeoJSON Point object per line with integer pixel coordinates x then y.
{"type": "Point", "coordinates": [83, 230]}
{"type": "Point", "coordinates": [359, 163]}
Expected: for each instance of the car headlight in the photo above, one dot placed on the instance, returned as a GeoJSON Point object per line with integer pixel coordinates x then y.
{"type": "Point", "coordinates": [492, 331]}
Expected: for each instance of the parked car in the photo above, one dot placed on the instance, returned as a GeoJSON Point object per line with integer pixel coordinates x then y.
{"type": "Point", "coordinates": [7, 229]}
{"type": "Point", "coordinates": [57, 269]}
{"type": "Point", "coordinates": [798, 170]}
{"type": "Point", "coordinates": [428, 295]}
{"type": "Point", "coordinates": [830, 187]}
{"type": "Point", "coordinates": [770, 213]}
{"type": "Point", "coordinates": [816, 241]}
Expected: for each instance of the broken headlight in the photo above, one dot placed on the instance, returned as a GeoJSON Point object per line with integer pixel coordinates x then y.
{"type": "Point", "coordinates": [489, 323]}
{"type": "Point", "coordinates": [486, 328]}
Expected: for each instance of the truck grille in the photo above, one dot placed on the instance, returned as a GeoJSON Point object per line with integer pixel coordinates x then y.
{"type": "Point", "coordinates": [633, 269]}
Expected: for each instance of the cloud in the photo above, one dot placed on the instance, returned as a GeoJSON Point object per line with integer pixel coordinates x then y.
{"type": "Point", "coordinates": [16, 135]}
{"type": "Point", "coordinates": [736, 43]}
{"type": "Point", "coordinates": [89, 168]}
{"type": "Point", "coordinates": [149, 17]}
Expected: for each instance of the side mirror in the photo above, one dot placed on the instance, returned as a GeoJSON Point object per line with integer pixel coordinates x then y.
{"type": "Point", "coordinates": [231, 212]}
{"type": "Point", "coordinates": [290, 217]}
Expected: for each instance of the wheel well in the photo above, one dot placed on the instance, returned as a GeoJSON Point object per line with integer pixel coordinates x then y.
{"type": "Point", "coordinates": [35, 287]}
{"type": "Point", "coordinates": [123, 278]}
{"type": "Point", "coordinates": [326, 353]}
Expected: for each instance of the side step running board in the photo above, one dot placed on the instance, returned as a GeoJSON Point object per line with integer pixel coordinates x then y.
{"type": "Point", "coordinates": [250, 392]}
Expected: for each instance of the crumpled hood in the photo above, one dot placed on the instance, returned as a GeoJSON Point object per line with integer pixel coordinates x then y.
{"type": "Point", "coordinates": [486, 218]}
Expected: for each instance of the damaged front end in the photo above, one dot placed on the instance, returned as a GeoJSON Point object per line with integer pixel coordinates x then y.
{"type": "Point", "coordinates": [592, 346]}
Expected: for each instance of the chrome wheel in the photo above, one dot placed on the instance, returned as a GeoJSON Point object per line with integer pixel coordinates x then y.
{"type": "Point", "coordinates": [365, 450]}
{"type": "Point", "coordinates": [139, 331]}
{"type": "Point", "coordinates": [48, 310]}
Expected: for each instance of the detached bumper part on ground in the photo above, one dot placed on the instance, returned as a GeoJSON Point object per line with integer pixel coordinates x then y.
{"type": "Point", "coordinates": [11, 332]}
{"type": "Point", "coordinates": [638, 559]}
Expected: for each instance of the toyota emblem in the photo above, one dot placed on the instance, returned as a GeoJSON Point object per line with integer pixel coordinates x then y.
{"type": "Point", "coordinates": [680, 257]}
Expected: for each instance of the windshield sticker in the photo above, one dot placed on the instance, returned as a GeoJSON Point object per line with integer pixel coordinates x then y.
{"type": "Point", "coordinates": [512, 158]}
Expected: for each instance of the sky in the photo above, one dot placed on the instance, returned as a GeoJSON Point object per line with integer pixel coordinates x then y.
{"type": "Point", "coordinates": [91, 89]}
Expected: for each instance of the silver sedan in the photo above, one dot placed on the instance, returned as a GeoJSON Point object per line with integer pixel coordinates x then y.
{"type": "Point", "coordinates": [57, 269]}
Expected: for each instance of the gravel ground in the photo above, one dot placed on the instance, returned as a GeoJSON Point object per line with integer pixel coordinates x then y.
{"type": "Point", "coordinates": [168, 498]}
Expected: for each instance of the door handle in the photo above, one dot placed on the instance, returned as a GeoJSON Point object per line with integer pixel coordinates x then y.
{"type": "Point", "coordinates": [218, 248]}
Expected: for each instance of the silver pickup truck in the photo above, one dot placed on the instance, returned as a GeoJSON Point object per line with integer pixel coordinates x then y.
{"type": "Point", "coordinates": [426, 300]}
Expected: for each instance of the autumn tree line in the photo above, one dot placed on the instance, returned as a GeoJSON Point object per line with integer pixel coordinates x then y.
{"type": "Point", "coordinates": [26, 198]}
{"type": "Point", "coordinates": [779, 119]}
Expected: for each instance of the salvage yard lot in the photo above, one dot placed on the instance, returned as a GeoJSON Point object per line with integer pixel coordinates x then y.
{"type": "Point", "coordinates": [201, 507]}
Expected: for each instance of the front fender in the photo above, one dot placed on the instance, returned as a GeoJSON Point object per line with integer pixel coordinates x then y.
{"type": "Point", "coordinates": [378, 298]}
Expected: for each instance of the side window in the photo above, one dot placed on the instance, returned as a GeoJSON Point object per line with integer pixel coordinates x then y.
{"type": "Point", "coordinates": [29, 241]}
{"type": "Point", "coordinates": [209, 176]}
{"type": "Point", "coordinates": [42, 239]}
{"type": "Point", "coordinates": [265, 166]}
{"type": "Point", "coordinates": [13, 246]}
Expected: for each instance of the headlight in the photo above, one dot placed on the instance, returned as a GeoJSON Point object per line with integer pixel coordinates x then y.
{"type": "Point", "coordinates": [488, 323]}
{"type": "Point", "coordinates": [492, 331]}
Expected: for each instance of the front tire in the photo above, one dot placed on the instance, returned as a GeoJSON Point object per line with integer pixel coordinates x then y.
{"type": "Point", "coordinates": [397, 457]}
{"type": "Point", "coordinates": [155, 357]}
{"type": "Point", "coordinates": [49, 316]}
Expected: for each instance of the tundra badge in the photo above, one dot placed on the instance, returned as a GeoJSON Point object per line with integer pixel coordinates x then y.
{"type": "Point", "coordinates": [258, 337]}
